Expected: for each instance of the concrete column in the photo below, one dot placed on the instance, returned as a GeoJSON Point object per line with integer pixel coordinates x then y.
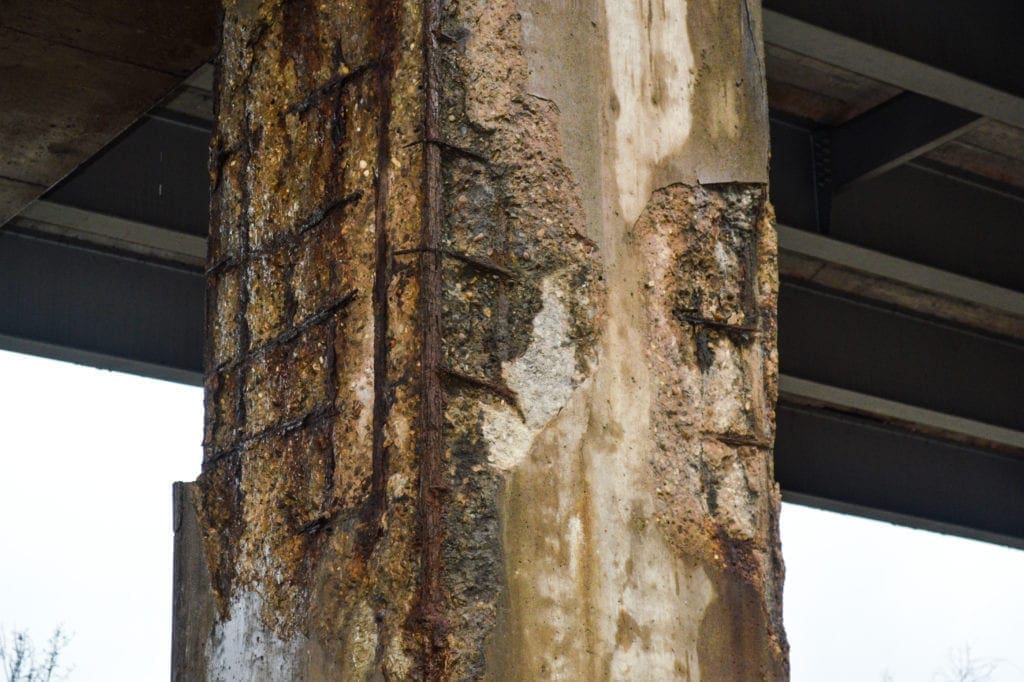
{"type": "Point", "coordinates": [491, 361]}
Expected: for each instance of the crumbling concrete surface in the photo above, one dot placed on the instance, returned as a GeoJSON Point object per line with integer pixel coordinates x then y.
{"type": "Point", "coordinates": [491, 364]}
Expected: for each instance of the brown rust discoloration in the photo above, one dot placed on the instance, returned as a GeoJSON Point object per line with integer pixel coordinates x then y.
{"type": "Point", "coordinates": [383, 20]}
{"type": "Point", "coordinates": [302, 156]}
{"type": "Point", "coordinates": [429, 614]}
{"type": "Point", "coordinates": [719, 502]}
{"type": "Point", "coordinates": [510, 203]}
{"type": "Point", "coordinates": [690, 339]}
{"type": "Point", "coordinates": [475, 409]}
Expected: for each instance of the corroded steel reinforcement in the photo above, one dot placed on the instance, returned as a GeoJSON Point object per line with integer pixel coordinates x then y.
{"type": "Point", "coordinates": [432, 445]}
{"type": "Point", "coordinates": [492, 368]}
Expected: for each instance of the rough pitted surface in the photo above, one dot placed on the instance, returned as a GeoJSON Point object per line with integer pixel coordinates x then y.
{"type": "Point", "coordinates": [304, 533]}
{"type": "Point", "coordinates": [514, 204]}
{"type": "Point", "coordinates": [481, 402]}
{"type": "Point", "coordinates": [712, 346]}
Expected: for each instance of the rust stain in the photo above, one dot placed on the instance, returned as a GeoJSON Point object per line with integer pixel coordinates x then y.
{"type": "Point", "coordinates": [414, 252]}
{"type": "Point", "coordinates": [432, 489]}
{"type": "Point", "coordinates": [383, 397]}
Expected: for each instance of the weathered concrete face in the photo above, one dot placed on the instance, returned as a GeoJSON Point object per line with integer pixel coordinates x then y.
{"type": "Point", "coordinates": [492, 359]}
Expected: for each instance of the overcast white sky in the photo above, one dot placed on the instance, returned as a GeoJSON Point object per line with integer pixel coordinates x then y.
{"type": "Point", "coordinates": [87, 458]}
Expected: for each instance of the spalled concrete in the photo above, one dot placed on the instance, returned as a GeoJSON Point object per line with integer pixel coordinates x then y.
{"type": "Point", "coordinates": [492, 384]}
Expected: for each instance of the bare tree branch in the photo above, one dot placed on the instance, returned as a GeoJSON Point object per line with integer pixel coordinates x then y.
{"type": "Point", "coordinates": [20, 664]}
